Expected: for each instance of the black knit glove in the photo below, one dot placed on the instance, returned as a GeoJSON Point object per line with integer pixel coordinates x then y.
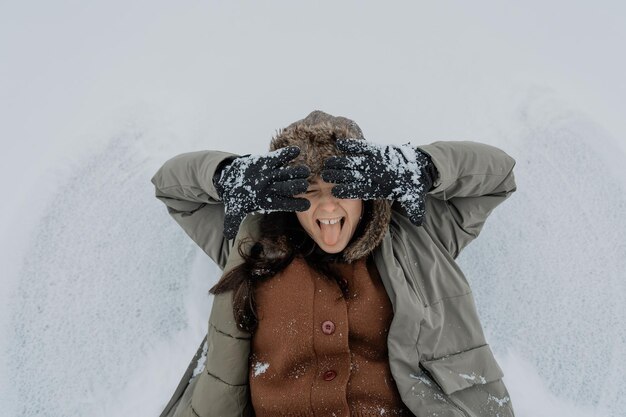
{"type": "Point", "coordinates": [371, 171]}
{"type": "Point", "coordinates": [261, 183]}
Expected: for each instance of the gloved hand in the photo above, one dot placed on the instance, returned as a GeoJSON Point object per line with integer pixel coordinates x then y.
{"type": "Point", "coordinates": [261, 183]}
{"type": "Point", "coordinates": [371, 171]}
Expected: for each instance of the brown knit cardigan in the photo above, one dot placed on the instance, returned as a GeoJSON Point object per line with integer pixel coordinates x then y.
{"type": "Point", "coordinates": [317, 353]}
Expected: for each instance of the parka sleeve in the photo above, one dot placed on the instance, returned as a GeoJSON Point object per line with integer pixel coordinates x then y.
{"type": "Point", "coordinates": [185, 185]}
{"type": "Point", "coordinates": [474, 178]}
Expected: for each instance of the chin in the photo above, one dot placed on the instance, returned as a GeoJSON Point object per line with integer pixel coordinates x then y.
{"type": "Point", "coordinates": [331, 250]}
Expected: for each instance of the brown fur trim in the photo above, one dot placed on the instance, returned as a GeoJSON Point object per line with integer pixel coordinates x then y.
{"type": "Point", "coordinates": [316, 135]}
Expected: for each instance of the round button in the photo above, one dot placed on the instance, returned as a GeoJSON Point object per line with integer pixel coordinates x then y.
{"type": "Point", "coordinates": [329, 375]}
{"type": "Point", "coordinates": [328, 327]}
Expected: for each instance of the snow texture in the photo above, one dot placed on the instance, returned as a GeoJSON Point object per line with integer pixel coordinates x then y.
{"type": "Point", "coordinates": [261, 184]}
{"type": "Point", "coordinates": [422, 379]}
{"type": "Point", "coordinates": [201, 361]}
{"type": "Point", "coordinates": [103, 298]}
{"type": "Point", "coordinates": [370, 171]}
{"type": "Point", "coordinates": [260, 368]}
{"type": "Point", "coordinates": [478, 379]}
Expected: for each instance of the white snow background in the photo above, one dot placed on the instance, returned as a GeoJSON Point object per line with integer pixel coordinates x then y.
{"type": "Point", "coordinates": [103, 299]}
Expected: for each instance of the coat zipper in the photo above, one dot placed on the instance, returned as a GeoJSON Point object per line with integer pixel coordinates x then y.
{"type": "Point", "coordinates": [458, 407]}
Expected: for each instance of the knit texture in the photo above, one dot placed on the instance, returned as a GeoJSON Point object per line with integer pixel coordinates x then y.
{"type": "Point", "coordinates": [315, 352]}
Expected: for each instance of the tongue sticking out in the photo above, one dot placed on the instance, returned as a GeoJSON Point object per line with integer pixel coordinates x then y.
{"type": "Point", "coordinates": [330, 233]}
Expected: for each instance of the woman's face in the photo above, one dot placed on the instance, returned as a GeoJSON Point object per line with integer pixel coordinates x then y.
{"type": "Point", "coordinates": [330, 221]}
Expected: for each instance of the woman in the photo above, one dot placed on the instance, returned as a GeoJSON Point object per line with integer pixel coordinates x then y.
{"type": "Point", "coordinates": [340, 295]}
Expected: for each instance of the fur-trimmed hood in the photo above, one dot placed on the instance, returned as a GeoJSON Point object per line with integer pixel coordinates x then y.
{"type": "Point", "coordinates": [316, 135]}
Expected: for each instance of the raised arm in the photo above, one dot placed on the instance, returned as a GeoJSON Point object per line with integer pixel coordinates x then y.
{"type": "Point", "coordinates": [473, 179]}
{"type": "Point", "coordinates": [470, 179]}
{"type": "Point", "coordinates": [209, 193]}
{"type": "Point", "coordinates": [185, 185]}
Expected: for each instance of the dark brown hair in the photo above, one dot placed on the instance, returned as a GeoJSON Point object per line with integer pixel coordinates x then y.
{"type": "Point", "coordinates": [282, 239]}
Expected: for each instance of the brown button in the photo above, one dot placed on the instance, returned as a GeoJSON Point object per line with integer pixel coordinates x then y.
{"type": "Point", "coordinates": [328, 327]}
{"type": "Point", "coordinates": [329, 375]}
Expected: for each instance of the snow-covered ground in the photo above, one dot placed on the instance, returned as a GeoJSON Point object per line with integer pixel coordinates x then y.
{"type": "Point", "coordinates": [103, 299]}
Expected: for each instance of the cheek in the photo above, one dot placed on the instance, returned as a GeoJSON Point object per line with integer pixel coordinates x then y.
{"type": "Point", "coordinates": [355, 209]}
{"type": "Point", "coordinates": [358, 212]}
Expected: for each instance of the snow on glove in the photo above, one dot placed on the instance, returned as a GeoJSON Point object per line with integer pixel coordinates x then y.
{"type": "Point", "coordinates": [370, 171]}
{"type": "Point", "coordinates": [261, 183]}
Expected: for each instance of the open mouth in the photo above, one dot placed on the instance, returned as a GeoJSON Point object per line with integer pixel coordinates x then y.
{"type": "Point", "coordinates": [330, 230]}
{"type": "Point", "coordinates": [340, 220]}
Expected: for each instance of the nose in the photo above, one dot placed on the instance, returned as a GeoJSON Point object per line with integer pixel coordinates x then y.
{"type": "Point", "coordinates": [328, 202]}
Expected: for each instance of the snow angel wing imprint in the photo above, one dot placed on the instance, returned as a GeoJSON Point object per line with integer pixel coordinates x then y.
{"type": "Point", "coordinates": [370, 171]}
{"type": "Point", "coordinates": [261, 183]}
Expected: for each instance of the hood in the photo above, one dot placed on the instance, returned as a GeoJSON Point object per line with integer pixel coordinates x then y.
{"type": "Point", "coordinates": [316, 135]}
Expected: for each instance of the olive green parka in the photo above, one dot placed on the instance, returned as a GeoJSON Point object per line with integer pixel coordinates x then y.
{"type": "Point", "coordinates": [438, 354]}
